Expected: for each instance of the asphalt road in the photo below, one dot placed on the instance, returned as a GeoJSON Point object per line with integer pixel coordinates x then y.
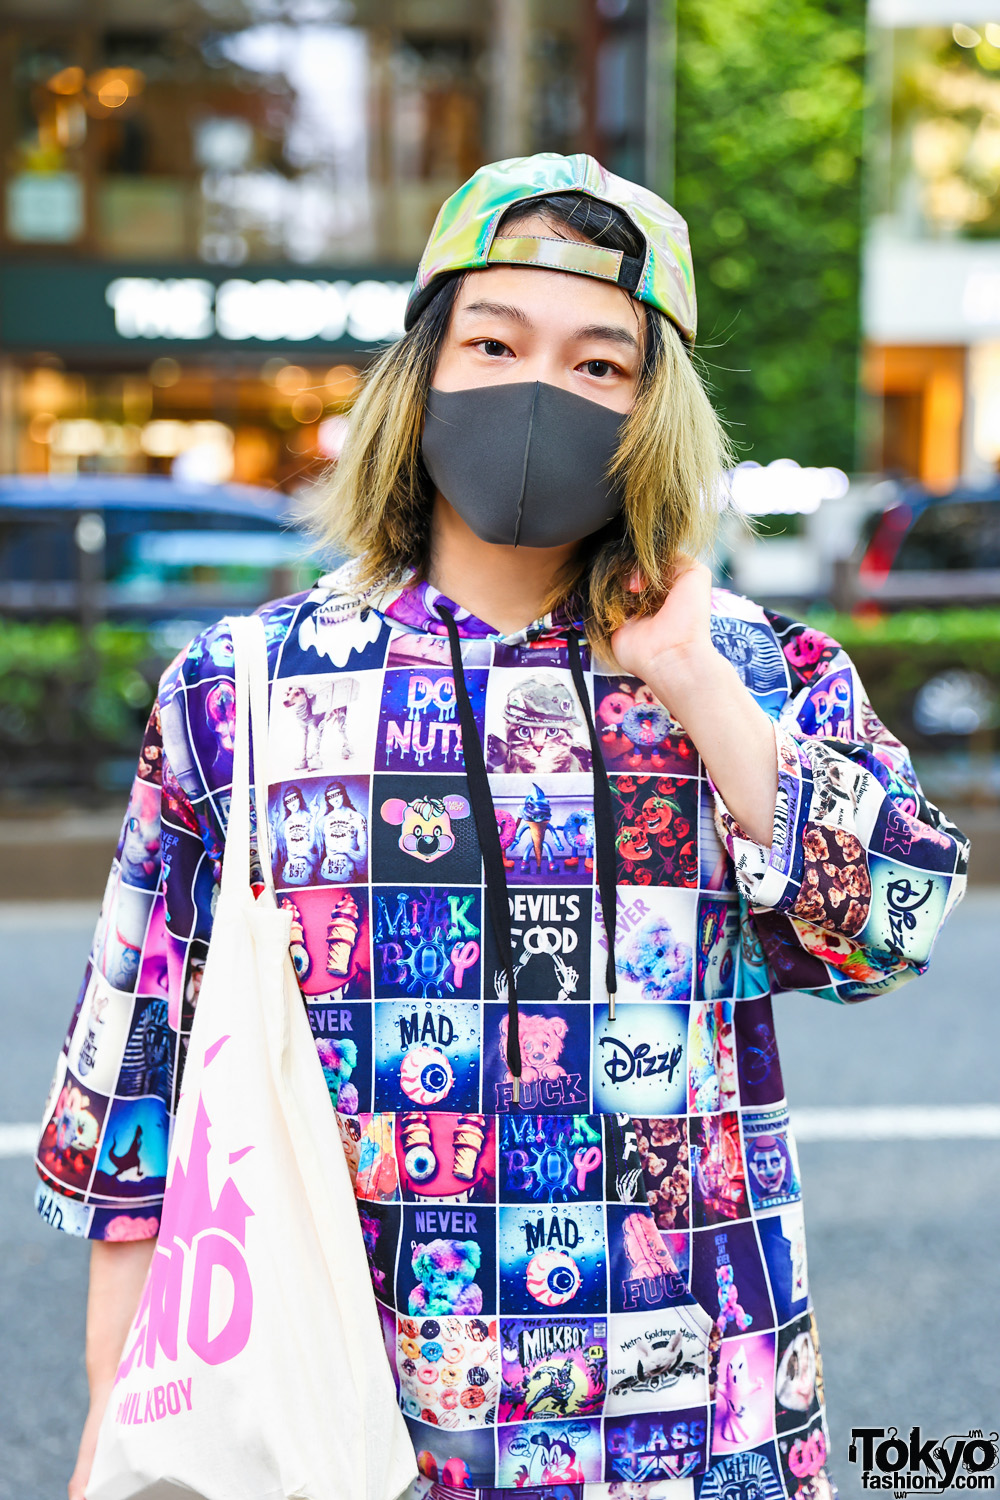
{"type": "Point", "coordinates": [903, 1235]}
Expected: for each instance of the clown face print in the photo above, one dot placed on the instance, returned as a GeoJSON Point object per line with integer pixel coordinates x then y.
{"type": "Point", "coordinates": [772, 1164]}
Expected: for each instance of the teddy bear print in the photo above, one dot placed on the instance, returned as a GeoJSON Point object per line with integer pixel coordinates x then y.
{"type": "Point", "coordinates": [445, 1271]}
{"type": "Point", "coordinates": [541, 1041]}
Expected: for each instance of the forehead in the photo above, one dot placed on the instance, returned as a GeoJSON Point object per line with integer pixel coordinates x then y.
{"type": "Point", "coordinates": [555, 299]}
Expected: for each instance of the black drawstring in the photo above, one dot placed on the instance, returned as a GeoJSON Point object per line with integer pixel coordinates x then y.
{"type": "Point", "coordinates": [489, 835]}
{"type": "Point", "coordinates": [489, 843]}
{"type": "Point", "coordinates": [604, 825]}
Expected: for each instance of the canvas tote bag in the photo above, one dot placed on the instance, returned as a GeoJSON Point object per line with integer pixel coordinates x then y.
{"type": "Point", "coordinates": [255, 1368]}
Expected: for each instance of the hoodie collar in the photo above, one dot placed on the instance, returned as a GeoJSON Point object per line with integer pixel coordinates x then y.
{"type": "Point", "coordinates": [414, 606]}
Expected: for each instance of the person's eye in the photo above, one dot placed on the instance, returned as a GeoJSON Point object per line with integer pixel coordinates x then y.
{"type": "Point", "coordinates": [601, 368]}
{"type": "Point", "coordinates": [493, 348]}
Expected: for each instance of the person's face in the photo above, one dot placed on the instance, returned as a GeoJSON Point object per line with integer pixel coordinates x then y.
{"type": "Point", "coordinates": [334, 798]}
{"type": "Point", "coordinates": [515, 324]}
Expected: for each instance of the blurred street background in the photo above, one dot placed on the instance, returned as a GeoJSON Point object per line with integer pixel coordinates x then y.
{"type": "Point", "coordinates": [210, 215]}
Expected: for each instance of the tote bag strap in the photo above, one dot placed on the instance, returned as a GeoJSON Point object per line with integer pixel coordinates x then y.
{"type": "Point", "coordinates": [250, 672]}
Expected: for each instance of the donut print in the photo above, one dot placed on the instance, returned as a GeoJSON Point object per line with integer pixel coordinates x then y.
{"type": "Point", "coordinates": [646, 725]}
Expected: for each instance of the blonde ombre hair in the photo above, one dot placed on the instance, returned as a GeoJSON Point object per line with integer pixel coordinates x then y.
{"type": "Point", "coordinates": [669, 468]}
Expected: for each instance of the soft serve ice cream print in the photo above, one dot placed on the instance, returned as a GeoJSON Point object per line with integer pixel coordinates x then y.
{"type": "Point", "coordinates": [598, 1287]}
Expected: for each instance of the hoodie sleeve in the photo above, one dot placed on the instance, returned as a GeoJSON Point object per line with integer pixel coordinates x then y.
{"type": "Point", "coordinates": [102, 1153]}
{"type": "Point", "coordinates": [863, 870]}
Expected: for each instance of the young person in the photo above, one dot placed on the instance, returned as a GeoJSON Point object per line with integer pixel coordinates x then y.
{"type": "Point", "coordinates": [609, 810]}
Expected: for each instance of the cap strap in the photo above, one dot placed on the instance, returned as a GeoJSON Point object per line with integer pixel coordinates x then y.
{"type": "Point", "coordinates": [567, 255]}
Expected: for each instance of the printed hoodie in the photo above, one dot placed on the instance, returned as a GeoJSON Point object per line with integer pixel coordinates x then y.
{"type": "Point", "coordinates": [592, 1274]}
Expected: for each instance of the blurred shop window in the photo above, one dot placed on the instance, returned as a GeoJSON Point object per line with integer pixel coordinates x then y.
{"type": "Point", "coordinates": [44, 208]}
{"type": "Point", "coordinates": [436, 134]}
{"type": "Point", "coordinates": [944, 172]}
{"type": "Point", "coordinates": [296, 186]}
{"type": "Point", "coordinates": [920, 389]}
{"type": "Point", "coordinates": [140, 218]}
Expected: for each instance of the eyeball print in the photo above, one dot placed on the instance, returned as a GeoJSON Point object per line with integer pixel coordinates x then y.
{"type": "Point", "coordinates": [426, 1075]}
{"type": "Point", "coordinates": [420, 1163]}
{"type": "Point", "coordinates": [553, 1277]}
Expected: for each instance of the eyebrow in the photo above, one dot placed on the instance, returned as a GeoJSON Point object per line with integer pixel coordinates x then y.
{"type": "Point", "coordinates": [612, 333]}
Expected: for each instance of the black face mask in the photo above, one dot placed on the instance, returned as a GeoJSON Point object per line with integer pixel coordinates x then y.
{"type": "Point", "coordinates": [524, 465]}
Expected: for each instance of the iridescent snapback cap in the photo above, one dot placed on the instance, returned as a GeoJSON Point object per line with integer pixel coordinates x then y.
{"type": "Point", "coordinates": [464, 235]}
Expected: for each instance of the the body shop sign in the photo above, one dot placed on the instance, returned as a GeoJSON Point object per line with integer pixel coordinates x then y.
{"type": "Point", "coordinates": [189, 307]}
{"type": "Point", "coordinates": [95, 307]}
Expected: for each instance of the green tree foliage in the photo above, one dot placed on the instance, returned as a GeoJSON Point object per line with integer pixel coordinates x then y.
{"type": "Point", "coordinates": [768, 168]}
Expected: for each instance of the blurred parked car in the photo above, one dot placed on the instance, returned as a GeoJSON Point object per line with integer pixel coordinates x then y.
{"type": "Point", "coordinates": [934, 549]}
{"type": "Point", "coordinates": [146, 548]}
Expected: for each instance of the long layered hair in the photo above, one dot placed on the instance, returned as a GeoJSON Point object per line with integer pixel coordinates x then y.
{"type": "Point", "coordinates": [669, 465]}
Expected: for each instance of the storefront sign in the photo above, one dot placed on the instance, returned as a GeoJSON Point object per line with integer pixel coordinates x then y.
{"type": "Point", "coordinates": [190, 307]}
{"type": "Point", "coordinates": [94, 307]}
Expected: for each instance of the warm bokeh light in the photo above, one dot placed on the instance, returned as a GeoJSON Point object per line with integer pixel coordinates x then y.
{"type": "Point", "coordinates": [291, 378]}
{"type": "Point", "coordinates": [307, 407]}
{"type": "Point", "coordinates": [67, 80]}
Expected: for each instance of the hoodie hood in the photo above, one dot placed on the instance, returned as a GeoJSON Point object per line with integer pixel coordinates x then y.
{"type": "Point", "coordinates": [415, 604]}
